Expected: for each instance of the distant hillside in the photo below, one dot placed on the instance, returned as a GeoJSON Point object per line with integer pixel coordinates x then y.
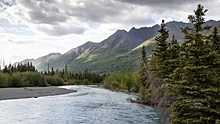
{"type": "Point", "coordinates": [24, 61]}
{"type": "Point", "coordinates": [120, 51]}
{"type": "Point", "coordinates": [41, 63]}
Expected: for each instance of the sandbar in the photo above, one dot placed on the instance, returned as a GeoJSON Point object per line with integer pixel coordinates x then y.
{"type": "Point", "coordinates": [31, 92]}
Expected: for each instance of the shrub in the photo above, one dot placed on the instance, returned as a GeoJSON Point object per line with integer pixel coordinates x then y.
{"type": "Point", "coordinates": [122, 80]}
{"type": "Point", "coordinates": [3, 80]}
{"type": "Point", "coordinates": [54, 81]}
{"type": "Point", "coordinates": [34, 79]}
{"type": "Point", "coordinates": [15, 80]}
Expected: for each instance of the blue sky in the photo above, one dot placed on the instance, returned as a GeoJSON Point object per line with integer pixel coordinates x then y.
{"type": "Point", "coordinates": [33, 28]}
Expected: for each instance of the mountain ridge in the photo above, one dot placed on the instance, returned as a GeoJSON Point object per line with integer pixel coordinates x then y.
{"type": "Point", "coordinates": [119, 51]}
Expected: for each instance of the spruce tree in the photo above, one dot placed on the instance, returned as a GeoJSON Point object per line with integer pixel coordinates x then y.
{"type": "Point", "coordinates": [215, 40]}
{"type": "Point", "coordinates": [158, 67]}
{"type": "Point", "coordinates": [52, 72]}
{"type": "Point", "coordinates": [173, 52]}
{"type": "Point", "coordinates": [144, 77]}
{"type": "Point", "coordinates": [143, 67]}
{"type": "Point", "coordinates": [195, 83]}
{"type": "Point", "coordinates": [160, 55]}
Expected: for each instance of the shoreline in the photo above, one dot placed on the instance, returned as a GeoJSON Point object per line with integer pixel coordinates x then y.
{"type": "Point", "coordinates": [31, 92]}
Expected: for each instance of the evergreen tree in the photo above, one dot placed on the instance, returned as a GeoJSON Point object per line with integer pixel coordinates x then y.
{"type": "Point", "coordinates": [52, 72]}
{"type": "Point", "coordinates": [173, 52]}
{"type": "Point", "coordinates": [195, 83]}
{"type": "Point", "coordinates": [158, 69]}
{"type": "Point", "coordinates": [215, 40]}
{"type": "Point", "coordinates": [66, 74]}
{"type": "Point", "coordinates": [160, 53]}
{"type": "Point", "coordinates": [144, 75]}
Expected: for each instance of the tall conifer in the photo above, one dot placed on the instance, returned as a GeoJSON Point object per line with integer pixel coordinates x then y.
{"type": "Point", "coordinates": [195, 82]}
{"type": "Point", "coordinates": [160, 56]}
{"type": "Point", "coordinates": [144, 77]}
{"type": "Point", "coordinates": [173, 52]}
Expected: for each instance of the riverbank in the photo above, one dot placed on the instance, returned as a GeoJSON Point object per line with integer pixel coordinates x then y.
{"type": "Point", "coordinates": [31, 92]}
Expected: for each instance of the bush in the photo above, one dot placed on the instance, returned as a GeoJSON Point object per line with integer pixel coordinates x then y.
{"type": "Point", "coordinates": [15, 80]}
{"type": "Point", "coordinates": [121, 80]}
{"type": "Point", "coordinates": [23, 79]}
{"type": "Point", "coordinates": [85, 82]}
{"type": "Point", "coordinates": [70, 82]}
{"type": "Point", "coordinates": [34, 79]}
{"type": "Point", "coordinates": [3, 80]}
{"type": "Point", "coordinates": [54, 81]}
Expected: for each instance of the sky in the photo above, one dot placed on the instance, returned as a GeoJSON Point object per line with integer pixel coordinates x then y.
{"type": "Point", "coordinates": [33, 28]}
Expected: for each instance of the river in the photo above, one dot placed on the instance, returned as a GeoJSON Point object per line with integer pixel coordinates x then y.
{"type": "Point", "coordinates": [89, 105]}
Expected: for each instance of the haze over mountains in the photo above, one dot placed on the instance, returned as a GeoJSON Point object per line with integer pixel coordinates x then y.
{"type": "Point", "coordinates": [120, 51]}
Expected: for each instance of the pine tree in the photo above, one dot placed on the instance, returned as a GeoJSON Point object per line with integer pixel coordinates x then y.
{"type": "Point", "coordinates": [52, 72]}
{"type": "Point", "coordinates": [195, 83]}
{"type": "Point", "coordinates": [144, 77]}
{"type": "Point", "coordinates": [160, 53]}
{"type": "Point", "coordinates": [173, 52]}
{"type": "Point", "coordinates": [158, 68]}
{"type": "Point", "coordinates": [143, 67]}
{"type": "Point", "coordinates": [215, 40]}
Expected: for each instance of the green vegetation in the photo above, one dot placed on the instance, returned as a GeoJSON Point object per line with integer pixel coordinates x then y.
{"type": "Point", "coordinates": [122, 81]}
{"type": "Point", "coordinates": [160, 54]}
{"type": "Point", "coordinates": [26, 76]}
{"type": "Point", "coordinates": [85, 78]}
{"type": "Point", "coordinates": [195, 85]}
{"type": "Point", "coordinates": [22, 79]}
{"type": "Point", "coordinates": [189, 73]}
{"type": "Point", "coordinates": [184, 77]}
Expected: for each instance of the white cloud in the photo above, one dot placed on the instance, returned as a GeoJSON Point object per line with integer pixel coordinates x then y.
{"type": "Point", "coordinates": [38, 27]}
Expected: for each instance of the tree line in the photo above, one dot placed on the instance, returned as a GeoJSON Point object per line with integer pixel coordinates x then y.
{"type": "Point", "coordinates": [83, 78]}
{"type": "Point", "coordinates": [19, 68]}
{"type": "Point", "coordinates": [26, 75]}
{"type": "Point", "coordinates": [184, 77]}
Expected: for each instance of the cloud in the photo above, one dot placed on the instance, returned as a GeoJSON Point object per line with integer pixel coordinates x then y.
{"type": "Point", "coordinates": [44, 26]}
{"type": "Point", "coordinates": [176, 9]}
{"type": "Point", "coordinates": [44, 12]}
{"type": "Point", "coordinates": [171, 4]}
{"type": "Point", "coordinates": [60, 30]}
{"type": "Point", "coordinates": [73, 16]}
{"type": "Point", "coordinates": [96, 11]}
{"type": "Point", "coordinates": [70, 17]}
{"type": "Point", "coordinates": [8, 2]}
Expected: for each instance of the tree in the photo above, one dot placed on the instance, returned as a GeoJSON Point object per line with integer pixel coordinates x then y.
{"type": "Point", "coordinates": [144, 75]}
{"type": "Point", "coordinates": [215, 40]}
{"type": "Point", "coordinates": [160, 53]}
{"type": "Point", "coordinates": [173, 51]}
{"type": "Point", "coordinates": [66, 74]}
{"type": "Point", "coordinates": [52, 72]}
{"type": "Point", "coordinates": [195, 83]}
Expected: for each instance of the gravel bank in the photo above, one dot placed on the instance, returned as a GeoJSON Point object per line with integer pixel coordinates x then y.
{"type": "Point", "coordinates": [31, 92]}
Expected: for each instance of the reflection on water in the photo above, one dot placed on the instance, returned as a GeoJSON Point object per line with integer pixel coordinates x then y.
{"type": "Point", "coordinates": [89, 105]}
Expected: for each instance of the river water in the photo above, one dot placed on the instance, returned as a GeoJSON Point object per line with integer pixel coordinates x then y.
{"type": "Point", "coordinates": [89, 105]}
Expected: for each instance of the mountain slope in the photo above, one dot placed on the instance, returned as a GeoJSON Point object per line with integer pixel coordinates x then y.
{"type": "Point", "coordinates": [43, 61]}
{"type": "Point", "coordinates": [120, 51]}
{"type": "Point", "coordinates": [57, 60]}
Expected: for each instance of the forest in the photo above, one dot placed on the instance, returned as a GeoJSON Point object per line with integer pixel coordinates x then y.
{"type": "Point", "coordinates": [25, 75]}
{"type": "Point", "coordinates": [182, 77]}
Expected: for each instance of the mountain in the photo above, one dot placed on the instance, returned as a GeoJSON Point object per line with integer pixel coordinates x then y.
{"type": "Point", "coordinates": [55, 60]}
{"type": "Point", "coordinates": [69, 56]}
{"type": "Point", "coordinates": [120, 51]}
{"type": "Point", "coordinates": [42, 62]}
{"type": "Point", "coordinates": [23, 62]}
